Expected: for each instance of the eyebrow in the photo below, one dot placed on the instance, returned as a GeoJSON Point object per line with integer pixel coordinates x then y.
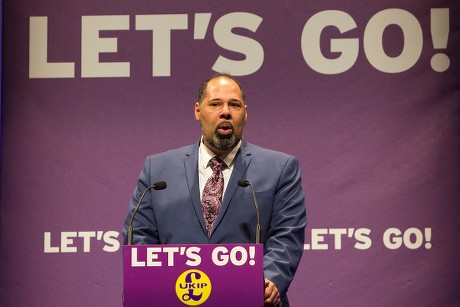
{"type": "Point", "coordinates": [231, 100]}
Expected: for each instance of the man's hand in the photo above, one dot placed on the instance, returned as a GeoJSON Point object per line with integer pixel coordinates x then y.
{"type": "Point", "coordinates": [272, 296]}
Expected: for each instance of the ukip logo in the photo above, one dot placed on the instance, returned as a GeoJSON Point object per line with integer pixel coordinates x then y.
{"type": "Point", "coordinates": [193, 287]}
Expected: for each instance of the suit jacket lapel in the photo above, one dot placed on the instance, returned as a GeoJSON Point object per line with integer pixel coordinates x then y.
{"type": "Point", "coordinates": [242, 160]}
{"type": "Point", "coordinates": [191, 173]}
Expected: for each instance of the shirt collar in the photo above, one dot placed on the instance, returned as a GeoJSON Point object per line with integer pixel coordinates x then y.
{"type": "Point", "coordinates": [207, 154]}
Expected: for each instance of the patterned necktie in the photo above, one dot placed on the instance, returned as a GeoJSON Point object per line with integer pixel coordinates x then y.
{"type": "Point", "coordinates": [212, 194]}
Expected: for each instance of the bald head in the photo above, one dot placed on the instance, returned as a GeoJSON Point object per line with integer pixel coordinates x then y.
{"type": "Point", "coordinates": [204, 86]}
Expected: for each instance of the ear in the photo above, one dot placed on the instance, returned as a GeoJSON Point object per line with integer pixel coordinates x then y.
{"type": "Point", "coordinates": [246, 115]}
{"type": "Point", "coordinates": [197, 111]}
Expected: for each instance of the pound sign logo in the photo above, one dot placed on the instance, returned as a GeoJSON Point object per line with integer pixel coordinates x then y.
{"type": "Point", "coordinates": [193, 287]}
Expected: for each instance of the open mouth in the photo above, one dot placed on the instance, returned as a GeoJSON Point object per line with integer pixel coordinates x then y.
{"type": "Point", "coordinates": [225, 128]}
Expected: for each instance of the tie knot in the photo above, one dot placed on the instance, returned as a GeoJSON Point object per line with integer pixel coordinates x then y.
{"type": "Point", "coordinates": [216, 163]}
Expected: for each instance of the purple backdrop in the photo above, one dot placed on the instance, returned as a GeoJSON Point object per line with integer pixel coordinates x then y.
{"type": "Point", "coordinates": [365, 94]}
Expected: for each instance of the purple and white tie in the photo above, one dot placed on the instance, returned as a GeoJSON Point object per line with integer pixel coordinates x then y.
{"type": "Point", "coordinates": [212, 194]}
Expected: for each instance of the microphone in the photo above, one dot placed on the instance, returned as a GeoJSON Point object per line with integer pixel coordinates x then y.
{"type": "Point", "coordinates": [160, 185]}
{"type": "Point", "coordinates": [244, 183]}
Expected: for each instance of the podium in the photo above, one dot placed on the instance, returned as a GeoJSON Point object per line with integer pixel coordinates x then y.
{"type": "Point", "coordinates": [193, 275]}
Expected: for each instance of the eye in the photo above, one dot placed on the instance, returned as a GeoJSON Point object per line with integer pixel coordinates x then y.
{"type": "Point", "coordinates": [235, 105]}
{"type": "Point", "coordinates": [214, 103]}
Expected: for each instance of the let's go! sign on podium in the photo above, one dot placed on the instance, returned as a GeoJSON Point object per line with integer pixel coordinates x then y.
{"type": "Point", "coordinates": [193, 275]}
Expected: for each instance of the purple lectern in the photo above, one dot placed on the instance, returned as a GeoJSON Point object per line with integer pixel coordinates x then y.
{"type": "Point", "coordinates": [193, 275]}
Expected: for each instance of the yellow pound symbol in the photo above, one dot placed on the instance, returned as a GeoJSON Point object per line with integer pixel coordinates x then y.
{"type": "Point", "coordinates": [193, 287]}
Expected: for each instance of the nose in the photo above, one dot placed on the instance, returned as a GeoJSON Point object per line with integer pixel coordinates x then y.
{"type": "Point", "coordinates": [225, 112]}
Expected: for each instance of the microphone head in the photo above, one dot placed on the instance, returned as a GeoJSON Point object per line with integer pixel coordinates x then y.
{"type": "Point", "coordinates": [243, 182]}
{"type": "Point", "coordinates": [160, 185]}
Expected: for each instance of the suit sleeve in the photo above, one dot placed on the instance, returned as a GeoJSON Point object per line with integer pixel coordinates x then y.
{"type": "Point", "coordinates": [285, 241]}
{"type": "Point", "coordinates": [144, 225]}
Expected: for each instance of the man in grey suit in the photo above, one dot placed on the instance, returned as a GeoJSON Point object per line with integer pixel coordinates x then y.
{"type": "Point", "coordinates": [176, 215]}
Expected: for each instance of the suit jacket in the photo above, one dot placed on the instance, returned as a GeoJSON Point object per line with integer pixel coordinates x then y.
{"type": "Point", "coordinates": [174, 215]}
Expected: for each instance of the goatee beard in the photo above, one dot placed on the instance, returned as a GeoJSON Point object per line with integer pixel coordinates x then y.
{"type": "Point", "coordinates": [223, 142]}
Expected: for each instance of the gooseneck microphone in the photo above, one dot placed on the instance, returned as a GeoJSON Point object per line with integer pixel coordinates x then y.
{"type": "Point", "coordinates": [244, 183]}
{"type": "Point", "coordinates": [160, 185]}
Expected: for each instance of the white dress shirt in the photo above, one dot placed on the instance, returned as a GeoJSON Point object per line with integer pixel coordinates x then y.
{"type": "Point", "coordinates": [205, 170]}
